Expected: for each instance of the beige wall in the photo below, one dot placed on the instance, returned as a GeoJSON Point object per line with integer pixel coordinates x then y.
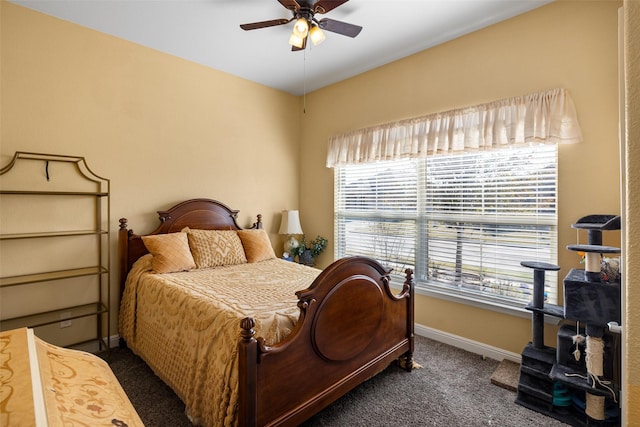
{"type": "Point", "coordinates": [565, 44]}
{"type": "Point", "coordinates": [631, 363]}
{"type": "Point", "coordinates": [161, 128]}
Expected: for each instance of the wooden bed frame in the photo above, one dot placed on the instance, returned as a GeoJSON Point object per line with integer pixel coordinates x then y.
{"type": "Point", "coordinates": [351, 327]}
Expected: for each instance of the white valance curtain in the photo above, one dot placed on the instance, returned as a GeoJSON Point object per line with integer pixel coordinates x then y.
{"type": "Point", "coordinates": [547, 117]}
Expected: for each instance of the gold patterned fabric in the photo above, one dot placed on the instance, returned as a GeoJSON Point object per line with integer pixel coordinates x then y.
{"type": "Point", "coordinates": [43, 384]}
{"type": "Point", "coordinates": [215, 248]}
{"type": "Point", "coordinates": [16, 395]}
{"type": "Point", "coordinates": [186, 325]}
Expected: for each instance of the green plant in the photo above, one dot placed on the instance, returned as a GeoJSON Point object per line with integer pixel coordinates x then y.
{"type": "Point", "coordinates": [315, 246]}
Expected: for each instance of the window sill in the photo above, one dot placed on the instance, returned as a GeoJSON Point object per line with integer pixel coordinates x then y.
{"type": "Point", "coordinates": [475, 302]}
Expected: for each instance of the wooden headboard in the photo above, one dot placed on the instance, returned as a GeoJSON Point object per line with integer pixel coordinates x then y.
{"type": "Point", "coordinates": [204, 214]}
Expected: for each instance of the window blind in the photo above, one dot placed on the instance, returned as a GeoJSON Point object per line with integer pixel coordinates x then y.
{"type": "Point", "coordinates": [463, 222]}
{"type": "Point", "coordinates": [376, 212]}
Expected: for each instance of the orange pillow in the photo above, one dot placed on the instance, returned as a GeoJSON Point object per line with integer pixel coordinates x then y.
{"type": "Point", "coordinates": [257, 246]}
{"type": "Point", "coordinates": [170, 252]}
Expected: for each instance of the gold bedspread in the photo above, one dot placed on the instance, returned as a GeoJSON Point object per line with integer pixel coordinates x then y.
{"type": "Point", "coordinates": [45, 385]}
{"type": "Point", "coordinates": [186, 325]}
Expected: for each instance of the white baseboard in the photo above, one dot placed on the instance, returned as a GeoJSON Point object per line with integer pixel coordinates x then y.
{"type": "Point", "coordinates": [466, 344]}
{"type": "Point", "coordinates": [94, 346]}
{"type": "Point", "coordinates": [114, 341]}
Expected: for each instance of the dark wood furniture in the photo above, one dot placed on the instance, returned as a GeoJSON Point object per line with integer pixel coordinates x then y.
{"type": "Point", "coordinates": [351, 327]}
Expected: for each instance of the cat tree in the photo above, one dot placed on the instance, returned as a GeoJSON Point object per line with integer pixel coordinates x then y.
{"type": "Point", "coordinates": [578, 381]}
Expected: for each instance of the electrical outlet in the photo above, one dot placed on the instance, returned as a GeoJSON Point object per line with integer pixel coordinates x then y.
{"type": "Point", "coordinates": [65, 323]}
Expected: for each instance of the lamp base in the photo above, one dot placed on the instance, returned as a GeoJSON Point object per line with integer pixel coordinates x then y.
{"type": "Point", "coordinates": [290, 243]}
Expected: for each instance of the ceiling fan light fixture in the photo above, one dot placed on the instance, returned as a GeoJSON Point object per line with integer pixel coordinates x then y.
{"type": "Point", "coordinates": [305, 24]}
{"type": "Point", "coordinates": [296, 41]}
{"type": "Point", "coordinates": [301, 28]}
{"type": "Point", "coordinates": [316, 35]}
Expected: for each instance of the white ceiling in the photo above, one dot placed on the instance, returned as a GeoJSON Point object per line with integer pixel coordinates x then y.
{"type": "Point", "coordinates": [208, 32]}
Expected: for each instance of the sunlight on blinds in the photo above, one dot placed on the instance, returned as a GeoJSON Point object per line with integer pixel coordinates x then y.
{"type": "Point", "coordinates": [462, 222]}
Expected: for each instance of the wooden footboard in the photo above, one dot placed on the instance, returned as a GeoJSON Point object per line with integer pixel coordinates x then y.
{"type": "Point", "coordinates": [351, 327]}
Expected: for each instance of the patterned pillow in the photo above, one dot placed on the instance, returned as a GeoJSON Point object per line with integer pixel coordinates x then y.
{"type": "Point", "coordinates": [257, 246]}
{"type": "Point", "coordinates": [215, 248]}
{"type": "Point", "coordinates": [170, 252]}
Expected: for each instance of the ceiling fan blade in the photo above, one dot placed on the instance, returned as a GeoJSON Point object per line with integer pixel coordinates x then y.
{"type": "Point", "coordinates": [304, 45]}
{"type": "Point", "coordinates": [290, 4]}
{"type": "Point", "coordinates": [339, 27]}
{"type": "Point", "coordinates": [264, 24]}
{"type": "Point", "coordinates": [324, 6]}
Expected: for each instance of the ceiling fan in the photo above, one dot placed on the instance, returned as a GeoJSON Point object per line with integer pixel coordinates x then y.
{"type": "Point", "coordinates": [306, 25]}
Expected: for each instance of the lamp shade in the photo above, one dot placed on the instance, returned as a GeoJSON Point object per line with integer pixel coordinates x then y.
{"type": "Point", "coordinates": [301, 28]}
{"type": "Point", "coordinates": [316, 35]}
{"type": "Point", "coordinates": [290, 223]}
{"type": "Point", "coordinates": [296, 41]}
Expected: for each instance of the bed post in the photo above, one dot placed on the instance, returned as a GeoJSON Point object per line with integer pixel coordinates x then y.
{"type": "Point", "coordinates": [123, 252]}
{"type": "Point", "coordinates": [258, 224]}
{"type": "Point", "coordinates": [247, 374]}
{"type": "Point", "coordinates": [408, 283]}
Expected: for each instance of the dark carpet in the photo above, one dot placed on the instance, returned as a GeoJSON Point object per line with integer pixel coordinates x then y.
{"type": "Point", "coordinates": [453, 388]}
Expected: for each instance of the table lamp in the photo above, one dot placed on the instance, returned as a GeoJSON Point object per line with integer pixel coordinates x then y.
{"type": "Point", "coordinates": [290, 226]}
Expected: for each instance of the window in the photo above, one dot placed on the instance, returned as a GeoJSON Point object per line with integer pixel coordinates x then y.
{"type": "Point", "coordinates": [462, 222]}
{"type": "Point", "coordinates": [462, 197]}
